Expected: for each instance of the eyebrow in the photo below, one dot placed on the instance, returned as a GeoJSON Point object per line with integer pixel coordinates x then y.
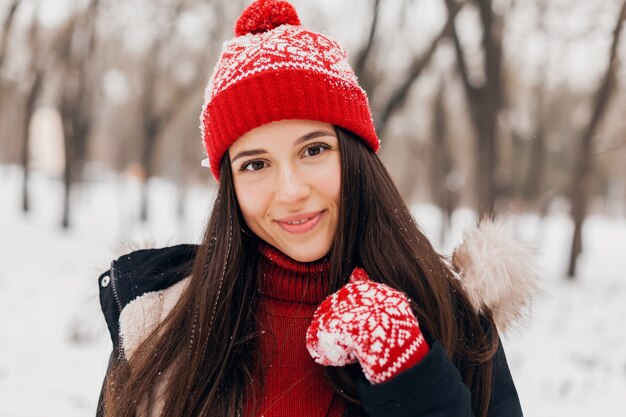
{"type": "Point", "coordinates": [308, 136]}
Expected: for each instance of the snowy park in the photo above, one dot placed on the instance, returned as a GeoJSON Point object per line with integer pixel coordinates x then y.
{"type": "Point", "coordinates": [568, 357]}
{"type": "Point", "coordinates": [480, 106]}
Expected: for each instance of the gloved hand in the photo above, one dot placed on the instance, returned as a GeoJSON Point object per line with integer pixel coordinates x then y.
{"type": "Point", "coordinates": [368, 322]}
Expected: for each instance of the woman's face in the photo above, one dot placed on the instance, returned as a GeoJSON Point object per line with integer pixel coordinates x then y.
{"type": "Point", "coordinates": [287, 180]}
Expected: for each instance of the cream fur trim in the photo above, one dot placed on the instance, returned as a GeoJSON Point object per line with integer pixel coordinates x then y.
{"type": "Point", "coordinates": [142, 315]}
{"type": "Point", "coordinates": [497, 272]}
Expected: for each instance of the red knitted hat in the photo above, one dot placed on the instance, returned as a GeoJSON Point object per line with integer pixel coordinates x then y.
{"type": "Point", "coordinates": [274, 69]}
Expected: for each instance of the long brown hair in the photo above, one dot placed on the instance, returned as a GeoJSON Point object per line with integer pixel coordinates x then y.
{"type": "Point", "coordinates": [204, 351]}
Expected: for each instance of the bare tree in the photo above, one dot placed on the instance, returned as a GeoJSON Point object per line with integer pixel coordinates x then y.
{"type": "Point", "coordinates": [442, 164]}
{"type": "Point", "coordinates": [36, 75]}
{"type": "Point", "coordinates": [365, 77]}
{"type": "Point", "coordinates": [6, 29]}
{"type": "Point", "coordinates": [34, 79]}
{"type": "Point", "coordinates": [537, 155]}
{"type": "Point", "coordinates": [77, 44]}
{"type": "Point", "coordinates": [156, 119]}
{"type": "Point", "coordinates": [485, 100]}
{"type": "Point", "coordinates": [400, 94]}
{"type": "Point", "coordinates": [582, 172]}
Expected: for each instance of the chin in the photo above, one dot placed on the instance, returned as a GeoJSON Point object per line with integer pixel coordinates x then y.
{"type": "Point", "coordinates": [306, 254]}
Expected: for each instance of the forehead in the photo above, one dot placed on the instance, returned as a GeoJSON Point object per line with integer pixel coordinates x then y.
{"type": "Point", "coordinates": [279, 133]}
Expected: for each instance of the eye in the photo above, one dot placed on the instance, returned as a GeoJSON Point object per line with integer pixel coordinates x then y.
{"type": "Point", "coordinates": [252, 166]}
{"type": "Point", "coordinates": [315, 149]}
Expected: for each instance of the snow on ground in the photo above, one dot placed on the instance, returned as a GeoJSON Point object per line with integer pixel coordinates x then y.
{"type": "Point", "coordinates": [569, 359]}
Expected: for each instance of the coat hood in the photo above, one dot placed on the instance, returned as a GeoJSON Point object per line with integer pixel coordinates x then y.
{"type": "Point", "coordinates": [497, 272]}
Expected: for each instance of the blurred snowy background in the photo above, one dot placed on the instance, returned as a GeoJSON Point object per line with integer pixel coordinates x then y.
{"type": "Point", "coordinates": [569, 359]}
{"type": "Point", "coordinates": [514, 107]}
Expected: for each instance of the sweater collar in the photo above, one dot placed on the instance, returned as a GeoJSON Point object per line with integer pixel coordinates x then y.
{"type": "Point", "coordinates": [286, 279]}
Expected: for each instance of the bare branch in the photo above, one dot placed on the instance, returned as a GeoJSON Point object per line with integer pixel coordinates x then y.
{"type": "Point", "coordinates": [364, 53]}
{"type": "Point", "coordinates": [492, 46]}
{"type": "Point", "coordinates": [6, 29]}
{"type": "Point", "coordinates": [151, 67]}
{"type": "Point", "coordinates": [453, 8]}
{"type": "Point", "coordinates": [398, 97]}
{"type": "Point", "coordinates": [579, 187]}
{"type": "Point", "coordinates": [606, 89]}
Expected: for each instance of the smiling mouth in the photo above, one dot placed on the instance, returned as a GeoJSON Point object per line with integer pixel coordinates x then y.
{"type": "Point", "coordinates": [302, 225]}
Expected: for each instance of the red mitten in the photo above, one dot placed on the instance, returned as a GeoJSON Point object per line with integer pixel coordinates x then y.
{"type": "Point", "coordinates": [368, 322]}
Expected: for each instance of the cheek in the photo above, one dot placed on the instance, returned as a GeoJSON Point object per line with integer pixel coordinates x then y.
{"type": "Point", "coordinates": [252, 202]}
{"type": "Point", "coordinates": [329, 181]}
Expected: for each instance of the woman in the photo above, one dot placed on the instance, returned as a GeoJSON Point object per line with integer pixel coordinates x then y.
{"type": "Point", "coordinates": [313, 293]}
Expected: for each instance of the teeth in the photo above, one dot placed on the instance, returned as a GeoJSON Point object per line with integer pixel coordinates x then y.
{"type": "Point", "coordinates": [299, 221]}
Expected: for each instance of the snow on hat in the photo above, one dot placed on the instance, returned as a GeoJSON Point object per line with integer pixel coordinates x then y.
{"type": "Point", "coordinates": [274, 69]}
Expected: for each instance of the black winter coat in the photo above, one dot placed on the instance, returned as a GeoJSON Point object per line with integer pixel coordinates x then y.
{"type": "Point", "coordinates": [432, 388]}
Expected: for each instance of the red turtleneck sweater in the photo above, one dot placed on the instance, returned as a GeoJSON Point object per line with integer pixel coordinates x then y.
{"type": "Point", "coordinates": [294, 384]}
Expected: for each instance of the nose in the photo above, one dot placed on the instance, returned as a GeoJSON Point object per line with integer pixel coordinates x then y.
{"type": "Point", "coordinates": [292, 186]}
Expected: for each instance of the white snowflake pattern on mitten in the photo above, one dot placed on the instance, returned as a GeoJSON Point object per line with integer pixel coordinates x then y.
{"type": "Point", "coordinates": [368, 322]}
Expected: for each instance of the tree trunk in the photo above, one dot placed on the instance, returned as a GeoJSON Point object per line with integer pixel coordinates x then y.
{"type": "Point", "coordinates": [531, 188]}
{"type": "Point", "coordinates": [148, 173]}
{"type": "Point", "coordinates": [153, 121]}
{"type": "Point", "coordinates": [6, 29]}
{"type": "Point", "coordinates": [581, 175]}
{"type": "Point", "coordinates": [147, 161]}
{"type": "Point", "coordinates": [68, 140]}
{"type": "Point", "coordinates": [75, 109]}
{"type": "Point", "coordinates": [484, 101]}
{"type": "Point", "coordinates": [28, 115]}
{"type": "Point", "coordinates": [536, 162]}
{"type": "Point", "coordinates": [441, 164]}
{"type": "Point", "coordinates": [485, 171]}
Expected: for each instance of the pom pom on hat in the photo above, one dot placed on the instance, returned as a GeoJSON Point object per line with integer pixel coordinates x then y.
{"type": "Point", "coordinates": [265, 15]}
{"type": "Point", "coordinates": [275, 69]}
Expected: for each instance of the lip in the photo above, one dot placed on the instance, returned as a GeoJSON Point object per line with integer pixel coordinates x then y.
{"type": "Point", "coordinates": [314, 218]}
